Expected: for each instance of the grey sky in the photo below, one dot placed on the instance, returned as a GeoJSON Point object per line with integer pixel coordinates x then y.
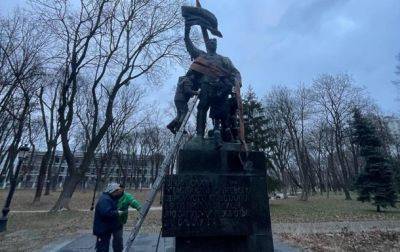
{"type": "Point", "coordinates": [285, 42]}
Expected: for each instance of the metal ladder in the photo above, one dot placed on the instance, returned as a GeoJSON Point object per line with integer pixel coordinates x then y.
{"type": "Point", "coordinates": [174, 147]}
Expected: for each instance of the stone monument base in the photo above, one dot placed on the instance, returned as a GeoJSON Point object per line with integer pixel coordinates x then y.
{"type": "Point", "coordinates": [218, 200]}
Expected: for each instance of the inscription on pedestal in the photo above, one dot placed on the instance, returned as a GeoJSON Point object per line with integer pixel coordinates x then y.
{"type": "Point", "coordinates": [206, 205]}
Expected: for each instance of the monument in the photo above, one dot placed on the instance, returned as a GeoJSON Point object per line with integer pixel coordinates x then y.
{"type": "Point", "coordinates": [217, 200]}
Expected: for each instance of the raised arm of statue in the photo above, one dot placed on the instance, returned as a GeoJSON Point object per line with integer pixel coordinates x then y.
{"type": "Point", "coordinates": [203, 18]}
{"type": "Point", "coordinates": [190, 47]}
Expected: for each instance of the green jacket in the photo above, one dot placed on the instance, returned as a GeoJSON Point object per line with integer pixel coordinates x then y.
{"type": "Point", "coordinates": [123, 205]}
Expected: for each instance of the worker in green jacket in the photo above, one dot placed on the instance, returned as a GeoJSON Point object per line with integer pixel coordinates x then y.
{"type": "Point", "coordinates": [127, 200]}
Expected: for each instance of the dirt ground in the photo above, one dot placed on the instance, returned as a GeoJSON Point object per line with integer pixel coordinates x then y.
{"type": "Point", "coordinates": [370, 241]}
{"type": "Point", "coordinates": [31, 231]}
{"type": "Point", "coordinates": [22, 199]}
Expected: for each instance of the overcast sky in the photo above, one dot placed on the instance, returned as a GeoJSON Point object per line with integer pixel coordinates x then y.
{"type": "Point", "coordinates": [285, 42]}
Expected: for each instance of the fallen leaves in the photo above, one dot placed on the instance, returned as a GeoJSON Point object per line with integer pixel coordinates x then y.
{"type": "Point", "coordinates": [376, 240]}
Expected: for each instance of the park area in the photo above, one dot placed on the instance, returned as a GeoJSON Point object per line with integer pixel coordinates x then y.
{"type": "Point", "coordinates": [219, 105]}
{"type": "Point", "coordinates": [319, 224]}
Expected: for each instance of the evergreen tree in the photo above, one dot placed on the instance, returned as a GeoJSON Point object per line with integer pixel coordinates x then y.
{"type": "Point", "coordinates": [255, 122]}
{"type": "Point", "coordinates": [258, 134]}
{"type": "Point", "coordinates": [376, 181]}
{"type": "Point", "coordinates": [396, 168]}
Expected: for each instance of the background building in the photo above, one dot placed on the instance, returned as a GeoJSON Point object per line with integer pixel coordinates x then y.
{"type": "Point", "coordinates": [134, 171]}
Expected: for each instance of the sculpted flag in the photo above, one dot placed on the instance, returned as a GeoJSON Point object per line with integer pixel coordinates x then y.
{"type": "Point", "coordinates": [201, 17]}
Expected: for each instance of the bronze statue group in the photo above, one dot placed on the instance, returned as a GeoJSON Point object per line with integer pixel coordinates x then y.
{"type": "Point", "coordinates": [213, 78]}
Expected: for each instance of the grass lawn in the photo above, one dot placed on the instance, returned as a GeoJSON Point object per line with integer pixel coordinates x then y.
{"type": "Point", "coordinates": [321, 209]}
{"type": "Point", "coordinates": [30, 231]}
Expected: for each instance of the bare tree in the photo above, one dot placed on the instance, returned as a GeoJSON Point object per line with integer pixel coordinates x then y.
{"type": "Point", "coordinates": [291, 109]}
{"type": "Point", "coordinates": [5, 139]}
{"type": "Point", "coordinates": [155, 139]}
{"type": "Point", "coordinates": [337, 97]}
{"type": "Point", "coordinates": [315, 143]}
{"type": "Point", "coordinates": [21, 69]}
{"type": "Point", "coordinates": [118, 43]}
{"type": "Point", "coordinates": [281, 148]}
{"type": "Point", "coordinates": [110, 149]}
{"type": "Point", "coordinates": [48, 98]}
{"type": "Point", "coordinates": [130, 146]}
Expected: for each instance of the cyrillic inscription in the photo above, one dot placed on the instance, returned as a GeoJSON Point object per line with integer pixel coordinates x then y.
{"type": "Point", "coordinates": [206, 205]}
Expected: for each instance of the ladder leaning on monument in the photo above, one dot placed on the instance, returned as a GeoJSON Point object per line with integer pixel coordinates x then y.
{"type": "Point", "coordinates": [160, 178]}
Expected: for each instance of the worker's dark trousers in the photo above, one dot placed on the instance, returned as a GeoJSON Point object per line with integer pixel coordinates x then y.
{"type": "Point", "coordinates": [103, 242]}
{"type": "Point", "coordinates": [181, 110]}
{"type": "Point", "coordinates": [202, 110]}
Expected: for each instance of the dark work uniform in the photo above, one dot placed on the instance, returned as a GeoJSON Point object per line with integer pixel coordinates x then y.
{"type": "Point", "coordinates": [224, 116]}
{"type": "Point", "coordinates": [106, 223]}
{"type": "Point", "coordinates": [214, 89]}
{"type": "Point", "coordinates": [184, 91]}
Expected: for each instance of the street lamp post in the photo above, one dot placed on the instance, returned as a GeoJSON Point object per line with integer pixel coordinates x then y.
{"type": "Point", "coordinates": [22, 152]}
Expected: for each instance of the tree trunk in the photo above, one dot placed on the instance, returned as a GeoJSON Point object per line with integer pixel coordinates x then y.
{"type": "Point", "coordinates": [41, 176]}
{"type": "Point", "coordinates": [131, 179]}
{"type": "Point", "coordinates": [50, 172]}
{"type": "Point", "coordinates": [68, 190]}
{"type": "Point", "coordinates": [98, 181]}
{"type": "Point", "coordinates": [94, 192]}
{"type": "Point", "coordinates": [137, 176]}
{"type": "Point", "coordinates": [356, 165]}
{"type": "Point", "coordinates": [347, 193]}
{"type": "Point", "coordinates": [158, 164]}
{"type": "Point", "coordinates": [305, 179]}
{"type": "Point", "coordinates": [342, 162]}
{"type": "Point", "coordinates": [327, 181]}
{"type": "Point", "coordinates": [48, 179]}
{"type": "Point", "coordinates": [378, 208]}
{"type": "Point", "coordinates": [54, 181]}
{"type": "Point", "coordinates": [285, 183]}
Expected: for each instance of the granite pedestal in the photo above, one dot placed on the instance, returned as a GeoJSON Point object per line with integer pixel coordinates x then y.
{"type": "Point", "coordinates": [218, 200]}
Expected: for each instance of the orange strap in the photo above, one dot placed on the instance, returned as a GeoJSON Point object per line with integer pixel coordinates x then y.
{"type": "Point", "coordinates": [206, 67]}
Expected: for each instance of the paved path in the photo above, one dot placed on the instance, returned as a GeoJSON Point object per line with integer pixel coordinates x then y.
{"type": "Point", "coordinates": [86, 243]}
{"type": "Point", "coordinates": [143, 243]}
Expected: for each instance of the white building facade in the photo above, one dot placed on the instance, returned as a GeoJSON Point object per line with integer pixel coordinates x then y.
{"type": "Point", "coordinates": [133, 171]}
